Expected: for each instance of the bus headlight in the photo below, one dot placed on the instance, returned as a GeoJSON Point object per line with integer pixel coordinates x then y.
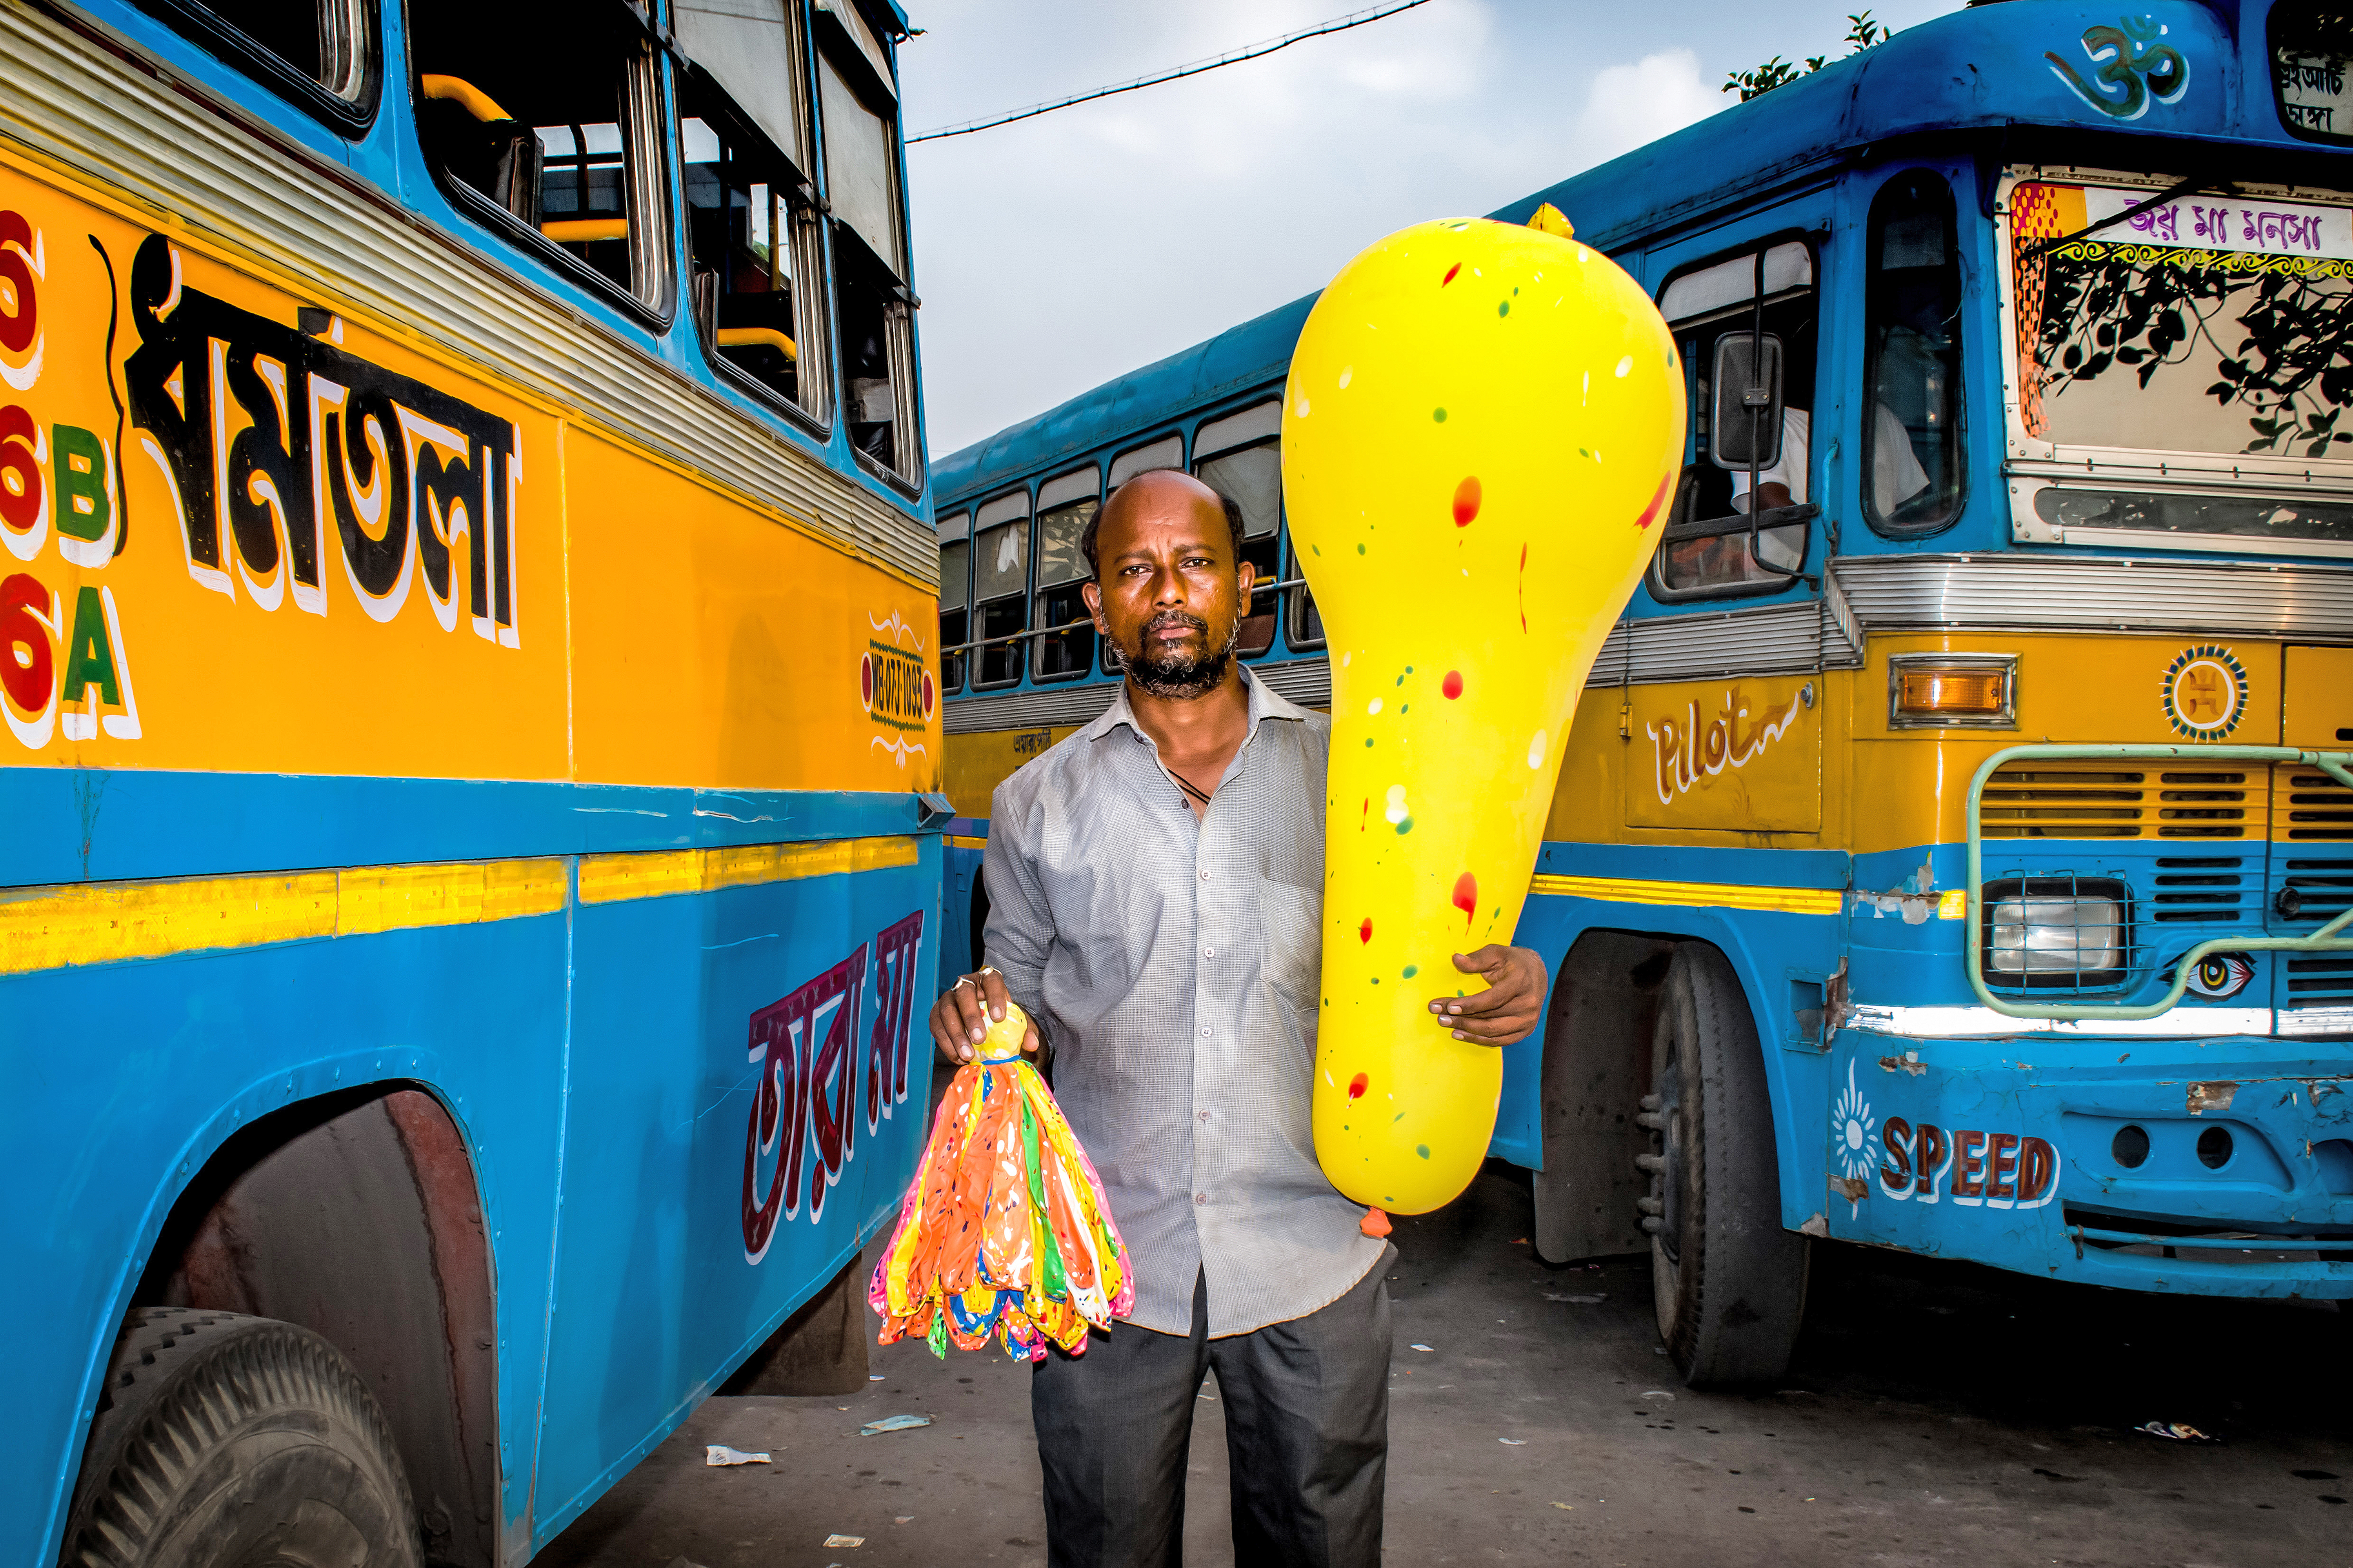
{"type": "Point", "coordinates": [2057, 931]}
{"type": "Point", "coordinates": [1952, 691]}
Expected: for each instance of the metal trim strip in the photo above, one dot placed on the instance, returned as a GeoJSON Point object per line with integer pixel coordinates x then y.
{"type": "Point", "coordinates": [2099, 593]}
{"type": "Point", "coordinates": [202, 177]}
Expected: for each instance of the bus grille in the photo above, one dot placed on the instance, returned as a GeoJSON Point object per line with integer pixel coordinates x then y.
{"type": "Point", "coordinates": [2311, 890]}
{"type": "Point", "coordinates": [2308, 805]}
{"type": "Point", "coordinates": [2106, 801]}
{"type": "Point", "coordinates": [2202, 887]}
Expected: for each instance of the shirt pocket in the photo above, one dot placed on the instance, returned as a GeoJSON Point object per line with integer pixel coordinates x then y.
{"type": "Point", "coordinates": [1291, 957]}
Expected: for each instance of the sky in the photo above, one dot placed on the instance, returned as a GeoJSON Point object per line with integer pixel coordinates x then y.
{"type": "Point", "coordinates": [1055, 254]}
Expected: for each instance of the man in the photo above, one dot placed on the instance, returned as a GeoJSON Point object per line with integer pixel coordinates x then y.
{"type": "Point", "coordinates": [1153, 886]}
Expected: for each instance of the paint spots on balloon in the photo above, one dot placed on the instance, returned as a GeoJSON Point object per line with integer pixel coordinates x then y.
{"type": "Point", "coordinates": [1452, 685]}
{"type": "Point", "coordinates": [1536, 749]}
{"type": "Point", "coordinates": [1356, 1086]}
{"type": "Point", "coordinates": [1347, 374]}
{"type": "Point", "coordinates": [1397, 810]}
{"type": "Point", "coordinates": [1374, 706]}
{"type": "Point", "coordinates": [1523, 587]}
{"type": "Point", "coordinates": [1503, 307]}
{"type": "Point", "coordinates": [1658, 499]}
{"type": "Point", "coordinates": [1466, 896]}
{"type": "Point", "coordinates": [1450, 274]}
{"type": "Point", "coordinates": [1411, 969]}
{"type": "Point", "coordinates": [1301, 407]}
{"type": "Point", "coordinates": [1365, 932]}
{"type": "Point", "coordinates": [1422, 1149]}
{"type": "Point", "coordinates": [1360, 549]}
{"type": "Point", "coordinates": [1438, 415]}
{"type": "Point", "coordinates": [1625, 367]}
{"type": "Point", "coordinates": [1466, 502]}
{"type": "Point", "coordinates": [1405, 825]}
{"type": "Point", "coordinates": [1365, 815]}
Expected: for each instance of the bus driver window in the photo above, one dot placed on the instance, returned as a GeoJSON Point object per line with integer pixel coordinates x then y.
{"type": "Point", "coordinates": [752, 221]}
{"type": "Point", "coordinates": [1912, 446]}
{"type": "Point", "coordinates": [535, 116]}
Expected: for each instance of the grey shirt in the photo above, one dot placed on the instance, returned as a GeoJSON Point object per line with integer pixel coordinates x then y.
{"type": "Point", "coordinates": [1172, 964]}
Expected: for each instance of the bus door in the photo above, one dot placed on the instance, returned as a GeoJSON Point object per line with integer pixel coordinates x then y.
{"type": "Point", "coordinates": [1724, 718]}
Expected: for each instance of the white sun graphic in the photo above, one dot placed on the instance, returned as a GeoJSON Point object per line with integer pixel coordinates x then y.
{"type": "Point", "coordinates": [1851, 1129]}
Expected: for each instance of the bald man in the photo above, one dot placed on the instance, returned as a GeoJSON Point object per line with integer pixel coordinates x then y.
{"type": "Point", "coordinates": [1154, 885]}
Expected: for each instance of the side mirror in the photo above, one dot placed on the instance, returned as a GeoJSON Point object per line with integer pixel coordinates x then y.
{"type": "Point", "coordinates": [1745, 426]}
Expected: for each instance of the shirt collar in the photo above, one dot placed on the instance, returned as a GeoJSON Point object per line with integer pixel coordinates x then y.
{"type": "Point", "coordinates": [1265, 702]}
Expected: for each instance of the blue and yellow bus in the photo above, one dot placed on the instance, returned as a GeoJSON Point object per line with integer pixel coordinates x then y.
{"type": "Point", "coordinates": [471, 845]}
{"type": "Point", "coordinates": [1955, 846]}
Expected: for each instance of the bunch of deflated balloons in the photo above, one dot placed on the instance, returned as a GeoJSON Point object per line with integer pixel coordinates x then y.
{"type": "Point", "coordinates": [1481, 440]}
{"type": "Point", "coordinates": [1005, 1229]}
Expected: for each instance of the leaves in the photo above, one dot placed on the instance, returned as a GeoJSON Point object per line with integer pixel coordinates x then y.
{"type": "Point", "coordinates": [2282, 342]}
{"type": "Point", "coordinates": [1862, 33]}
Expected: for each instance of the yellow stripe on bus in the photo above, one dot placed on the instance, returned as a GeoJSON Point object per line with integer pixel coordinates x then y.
{"type": "Point", "coordinates": [1703, 895]}
{"type": "Point", "coordinates": [608, 878]}
{"type": "Point", "coordinates": [110, 922]}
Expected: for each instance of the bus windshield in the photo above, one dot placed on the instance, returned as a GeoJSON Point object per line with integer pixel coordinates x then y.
{"type": "Point", "coordinates": [2214, 325]}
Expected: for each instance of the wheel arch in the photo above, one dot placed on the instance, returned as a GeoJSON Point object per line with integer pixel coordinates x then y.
{"type": "Point", "coordinates": [1597, 1036]}
{"type": "Point", "coordinates": [359, 1214]}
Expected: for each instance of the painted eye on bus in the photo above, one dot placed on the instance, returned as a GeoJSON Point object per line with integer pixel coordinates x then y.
{"type": "Point", "coordinates": [2221, 974]}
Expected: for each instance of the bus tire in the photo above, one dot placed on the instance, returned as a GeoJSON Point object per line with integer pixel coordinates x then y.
{"type": "Point", "coordinates": [1729, 1280]}
{"type": "Point", "coordinates": [226, 1439]}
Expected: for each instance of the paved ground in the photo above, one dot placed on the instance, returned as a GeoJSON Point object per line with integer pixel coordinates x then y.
{"type": "Point", "coordinates": [1938, 1413]}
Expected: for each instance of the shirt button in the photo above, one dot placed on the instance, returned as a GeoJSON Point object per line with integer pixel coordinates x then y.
{"type": "Point", "coordinates": [1205, 876]}
{"type": "Point", "coordinates": [1204, 1116]}
{"type": "Point", "coordinates": [1199, 1199]}
{"type": "Point", "coordinates": [1209, 952]}
{"type": "Point", "coordinates": [1205, 1031]}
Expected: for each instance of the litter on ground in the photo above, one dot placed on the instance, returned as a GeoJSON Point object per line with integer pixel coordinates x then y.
{"type": "Point", "coordinates": [716, 1453]}
{"type": "Point", "coordinates": [845, 1541]}
{"type": "Point", "coordinates": [893, 1423]}
{"type": "Point", "coordinates": [1658, 1393]}
{"type": "Point", "coordinates": [2177, 1431]}
{"type": "Point", "coordinates": [1514, 1442]}
{"type": "Point", "coordinates": [1425, 1347]}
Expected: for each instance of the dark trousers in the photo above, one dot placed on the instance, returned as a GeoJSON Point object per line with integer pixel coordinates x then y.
{"type": "Point", "coordinates": [1307, 1420]}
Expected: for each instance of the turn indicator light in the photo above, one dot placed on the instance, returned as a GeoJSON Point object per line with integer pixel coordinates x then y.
{"type": "Point", "coordinates": [1952, 691]}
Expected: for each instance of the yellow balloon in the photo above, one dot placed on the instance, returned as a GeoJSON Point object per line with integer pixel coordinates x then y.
{"type": "Point", "coordinates": [1480, 437]}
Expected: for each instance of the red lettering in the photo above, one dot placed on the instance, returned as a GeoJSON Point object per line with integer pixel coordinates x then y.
{"type": "Point", "coordinates": [2037, 1163]}
{"type": "Point", "coordinates": [27, 669]}
{"type": "Point", "coordinates": [20, 472]}
{"type": "Point", "coordinates": [1930, 1154]}
{"type": "Point", "coordinates": [1968, 1165]}
{"type": "Point", "coordinates": [22, 319]}
{"type": "Point", "coordinates": [2002, 1157]}
{"type": "Point", "coordinates": [1896, 1175]}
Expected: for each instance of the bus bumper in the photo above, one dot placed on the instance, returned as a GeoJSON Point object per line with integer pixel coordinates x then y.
{"type": "Point", "coordinates": [2213, 1165]}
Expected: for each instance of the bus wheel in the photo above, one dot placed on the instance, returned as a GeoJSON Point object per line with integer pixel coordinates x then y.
{"type": "Point", "coordinates": [231, 1440]}
{"type": "Point", "coordinates": [1729, 1281]}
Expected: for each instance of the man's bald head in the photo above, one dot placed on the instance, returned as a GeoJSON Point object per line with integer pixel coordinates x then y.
{"type": "Point", "coordinates": [1158, 491]}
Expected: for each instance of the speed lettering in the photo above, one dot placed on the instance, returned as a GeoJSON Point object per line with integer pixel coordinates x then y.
{"type": "Point", "coordinates": [1974, 1168]}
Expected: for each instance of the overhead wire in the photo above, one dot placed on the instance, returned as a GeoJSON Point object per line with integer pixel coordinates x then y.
{"type": "Point", "coordinates": [1235, 56]}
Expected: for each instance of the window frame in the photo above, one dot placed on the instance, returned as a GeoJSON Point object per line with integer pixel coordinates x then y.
{"type": "Point", "coordinates": [812, 263]}
{"type": "Point", "coordinates": [1039, 587]}
{"type": "Point", "coordinates": [350, 118]}
{"type": "Point", "coordinates": [1024, 521]}
{"type": "Point", "coordinates": [1278, 536]}
{"type": "Point", "coordinates": [1867, 403]}
{"type": "Point", "coordinates": [646, 175]}
{"type": "Point", "coordinates": [956, 529]}
{"type": "Point", "coordinates": [1815, 244]}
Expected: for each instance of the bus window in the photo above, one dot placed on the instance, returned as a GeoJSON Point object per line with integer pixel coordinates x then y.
{"type": "Point", "coordinates": [1912, 422]}
{"type": "Point", "coordinates": [1168, 452]}
{"type": "Point", "coordinates": [318, 52]}
{"type": "Point", "coordinates": [861, 184]}
{"type": "Point", "coordinates": [1000, 591]}
{"type": "Point", "coordinates": [1707, 552]}
{"type": "Point", "coordinates": [955, 571]}
{"type": "Point", "coordinates": [1306, 628]}
{"type": "Point", "coordinates": [528, 112]}
{"type": "Point", "coordinates": [1065, 506]}
{"type": "Point", "coordinates": [1251, 475]}
{"type": "Point", "coordinates": [753, 227]}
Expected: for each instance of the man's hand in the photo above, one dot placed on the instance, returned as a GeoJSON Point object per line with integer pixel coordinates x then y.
{"type": "Point", "coordinates": [961, 1017]}
{"type": "Point", "coordinates": [1507, 1010]}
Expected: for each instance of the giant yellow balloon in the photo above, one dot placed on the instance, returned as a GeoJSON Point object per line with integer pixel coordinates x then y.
{"type": "Point", "coordinates": [1481, 438]}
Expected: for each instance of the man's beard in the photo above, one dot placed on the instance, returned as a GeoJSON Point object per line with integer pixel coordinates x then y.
{"type": "Point", "coordinates": [1167, 673]}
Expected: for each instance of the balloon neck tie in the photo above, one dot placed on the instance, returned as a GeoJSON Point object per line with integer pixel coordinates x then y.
{"type": "Point", "coordinates": [1011, 1056]}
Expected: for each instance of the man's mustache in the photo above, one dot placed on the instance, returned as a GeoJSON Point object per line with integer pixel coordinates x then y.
{"type": "Point", "coordinates": [1166, 618]}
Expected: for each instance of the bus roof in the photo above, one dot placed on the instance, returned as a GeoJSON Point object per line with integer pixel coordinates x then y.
{"type": "Point", "coordinates": [1986, 67]}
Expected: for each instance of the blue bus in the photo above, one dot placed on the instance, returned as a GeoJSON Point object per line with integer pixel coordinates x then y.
{"type": "Point", "coordinates": [1954, 849]}
{"type": "Point", "coordinates": [472, 846]}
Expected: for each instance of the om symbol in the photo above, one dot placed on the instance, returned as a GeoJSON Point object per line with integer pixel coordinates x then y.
{"type": "Point", "coordinates": [2134, 69]}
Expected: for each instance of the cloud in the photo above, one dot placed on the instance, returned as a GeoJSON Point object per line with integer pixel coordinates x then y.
{"type": "Point", "coordinates": [1629, 105]}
